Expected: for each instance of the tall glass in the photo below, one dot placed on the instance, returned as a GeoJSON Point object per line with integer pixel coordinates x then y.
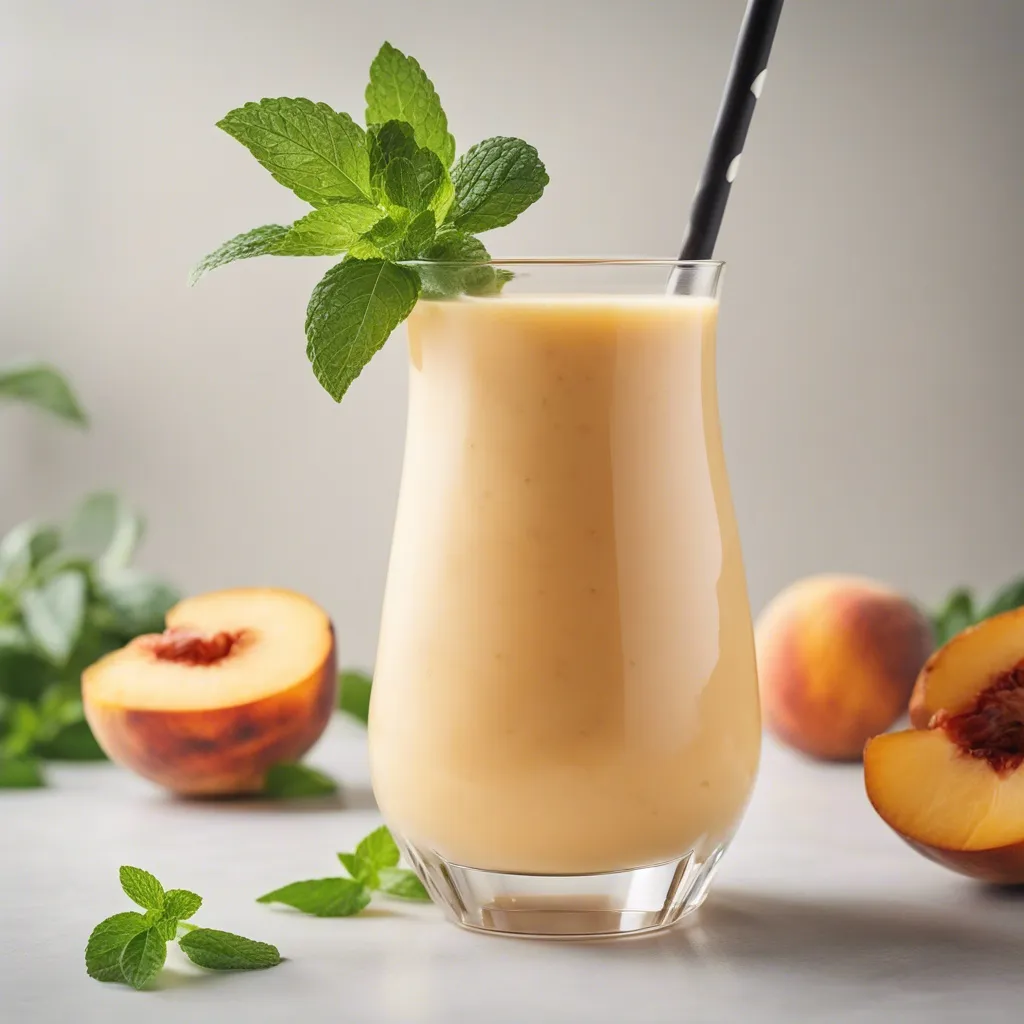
{"type": "Point", "coordinates": [564, 728]}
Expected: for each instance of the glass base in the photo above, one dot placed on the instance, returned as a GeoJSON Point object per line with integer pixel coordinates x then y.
{"type": "Point", "coordinates": [617, 903]}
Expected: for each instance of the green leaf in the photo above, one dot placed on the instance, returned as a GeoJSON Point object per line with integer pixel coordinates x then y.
{"type": "Point", "coordinates": [107, 943]}
{"type": "Point", "coordinates": [385, 239]}
{"type": "Point", "coordinates": [222, 951]}
{"type": "Point", "coordinates": [400, 90]}
{"type": "Point", "coordinates": [72, 742]}
{"type": "Point", "coordinates": [323, 897]}
{"type": "Point", "coordinates": [460, 267]}
{"type": "Point", "coordinates": [378, 849]}
{"type": "Point", "coordinates": [22, 725]}
{"type": "Point", "coordinates": [104, 529]}
{"type": "Point", "coordinates": [143, 957]}
{"type": "Point", "coordinates": [54, 613]}
{"type": "Point", "coordinates": [24, 673]}
{"type": "Point", "coordinates": [359, 869]}
{"type": "Point", "coordinates": [419, 235]}
{"type": "Point", "coordinates": [315, 151]}
{"type": "Point", "coordinates": [402, 883]}
{"type": "Point", "coordinates": [955, 616]}
{"type": "Point", "coordinates": [44, 387]}
{"type": "Point", "coordinates": [258, 242]}
{"type": "Point", "coordinates": [351, 313]}
{"type": "Point", "coordinates": [288, 781]}
{"type": "Point", "coordinates": [20, 773]}
{"type": "Point", "coordinates": [138, 601]}
{"type": "Point", "coordinates": [329, 230]}
{"type": "Point", "coordinates": [25, 547]}
{"type": "Point", "coordinates": [180, 904]}
{"type": "Point", "coordinates": [141, 887]}
{"type": "Point", "coordinates": [405, 174]}
{"type": "Point", "coordinates": [354, 694]}
{"type": "Point", "coordinates": [495, 181]}
{"type": "Point", "coordinates": [1006, 600]}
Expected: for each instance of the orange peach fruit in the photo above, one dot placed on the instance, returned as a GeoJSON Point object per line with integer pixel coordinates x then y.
{"type": "Point", "coordinates": [836, 659]}
{"type": "Point", "coordinates": [240, 680]}
{"type": "Point", "coordinates": [954, 786]}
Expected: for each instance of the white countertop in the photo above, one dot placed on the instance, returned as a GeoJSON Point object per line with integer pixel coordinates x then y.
{"type": "Point", "coordinates": [819, 913]}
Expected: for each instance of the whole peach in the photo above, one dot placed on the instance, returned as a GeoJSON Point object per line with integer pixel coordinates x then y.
{"type": "Point", "coordinates": [837, 657]}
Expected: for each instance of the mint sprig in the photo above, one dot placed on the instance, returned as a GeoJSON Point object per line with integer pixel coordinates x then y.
{"type": "Point", "coordinates": [388, 199]}
{"type": "Point", "coordinates": [131, 948]}
{"type": "Point", "coordinates": [372, 867]}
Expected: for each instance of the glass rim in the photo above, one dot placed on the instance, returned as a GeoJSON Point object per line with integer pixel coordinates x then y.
{"type": "Point", "coordinates": [572, 261]}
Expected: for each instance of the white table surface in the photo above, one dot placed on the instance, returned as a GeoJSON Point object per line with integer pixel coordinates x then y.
{"type": "Point", "coordinates": [819, 913]}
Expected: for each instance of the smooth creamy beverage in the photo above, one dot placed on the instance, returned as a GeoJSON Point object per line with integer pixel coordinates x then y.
{"type": "Point", "coordinates": [566, 681]}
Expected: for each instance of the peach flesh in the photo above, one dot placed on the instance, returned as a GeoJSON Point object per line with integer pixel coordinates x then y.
{"type": "Point", "coordinates": [993, 729]}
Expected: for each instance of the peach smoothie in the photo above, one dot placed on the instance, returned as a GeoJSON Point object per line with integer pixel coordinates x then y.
{"type": "Point", "coordinates": [566, 680]}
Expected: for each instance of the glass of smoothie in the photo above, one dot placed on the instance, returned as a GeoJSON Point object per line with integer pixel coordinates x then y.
{"type": "Point", "coordinates": [564, 728]}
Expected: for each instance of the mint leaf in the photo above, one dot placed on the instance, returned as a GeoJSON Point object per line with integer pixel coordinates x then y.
{"type": "Point", "coordinates": [180, 904]}
{"type": "Point", "coordinates": [400, 90]}
{"type": "Point", "coordinates": [354, 694]}
{"type": "Point", "coordinates": [288, 781]}
{"type": "Point", "coordinates": [359, 869]}
{"type": "Point", "coordinates": [1006, 600]}
{"type": "Point", "coordinates": [71, 742]}
{"type": "Point", "coordinates": [141, 887]}
{"type": "Point", "coordinates": [378, 849]}
{"type": "Point", "coordinates": [403, 173]}
{"type": "Point", "coordinates": [323, 897]}
{"type": "Point", "coordinates": [419, 234]}
{"type": "Point", "coordinates": [20, 773]}
{"type": "Point", "coordinates": [495, 181]}
{"type": "Point", "coordinates": [258, 242]}
{"type": "Point", "coordinates": [461, 267]}
{"type": "Point", "coordinates": [25, 546]}
{"type": "Point", "coordinates": [315, 151]}
{"type": "Point", "coordinates": [222, 951]}
{"type": "Point", "coordinates": [107, 942]}
{"type": "Point", "coordinates": [137, 601]}
{"type": "Point", "coordinates": [351, 313]}
{"type": "Point", "coordinates": [329, 230]}
{"type": "Point", "coordinates": [402, 883]}
{"type": "Point", "coordinates": [955, 616]}
{"type": "Point", "coordinates": [44, 387]}
{"type": "Point", "coordinates": [104, 529]}
{"type": "Point", "coordinates": [54, 612]}
{"type": "Point", "coordinates": [142, 957]}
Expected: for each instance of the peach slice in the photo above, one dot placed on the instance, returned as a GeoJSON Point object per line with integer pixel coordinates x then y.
{"type": "Point", "coordinates": [240, 680]}
{"type": "Point", "coordinates": [954, 786]}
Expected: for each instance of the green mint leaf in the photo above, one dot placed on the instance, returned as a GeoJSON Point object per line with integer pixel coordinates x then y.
{"type": "Point", "coordinates": [44, 387]}
{"type": "Point", "coordinates": [494, 182]}
{"type": "Point", "coordinates": [329, 230]}
{"type": "Point", "coordinates": [54, 613]}
{"type": "Point", "coordinates": [378, 849]}
{"type": "Point", "coordinates": [166, 928]}
{"type": "Point", "coordinates": [323, 897]}
{"type": "Point", "coordinates": [419, 235]}
{"type": "Point", "coordinates": [351, 313]}
{"type": "Point", "coordinates": [107, 943]}
{"type": "Point", "coordinates": [315, 151]}
{"type": "Point", "coordinates": [461, 267]}
{"type": "Point", "coordinates": [20, 773]}
{"type": "Point", "coordinates": [384, 239]}
{"type": "Point", "coordinates": [404, 174]}
{"type": "Point", "coordinates": [222, 951]}
{"type": "Point", "coordinates": [180, 904]}
{"type": "Point", "coordinates": [73, 741]}
{"type": "Point", "coordinates": [354, 694]}
{"type": "Point", "coordinates": [103, 529]}
{"type": "Point", "coordinates": [365, 249]}
{"type": "Point", "coordinates": [24, 547]}
{"type": "Point", "coordinates": [143, 957]}
{"type": "Point", "coordinates": [400, 90]}
{"type": "Point", "coordinates": [23, 724]}
{"type": "Point", "coordinates": [136, 601]}
{"type": "Point", "coordinates": [258, 242]}
{"type": "Point", "coordinates": [955, 615]}
{"type": "Point", "coordinates": [287, 781]}
{"type": "Point", "coordinates": [1006, 600]}
{"type": "Point", "coordinates": [142, 888]}
{"type": "Point", "coordinates": [402, 883]}
{"type": "Point", "coordinates": [359, 869]}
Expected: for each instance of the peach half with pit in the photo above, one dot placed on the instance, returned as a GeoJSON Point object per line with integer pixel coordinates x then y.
{"type": "Point", "coordinates": [239, 681]}
{"type": "Point", "coordinates": [954, 787]}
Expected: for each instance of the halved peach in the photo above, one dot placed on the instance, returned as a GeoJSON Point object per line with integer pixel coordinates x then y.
{"type": "Point", "coordinates": [954, 786]}
{"type": "Point", "coordinates": [240, 680]}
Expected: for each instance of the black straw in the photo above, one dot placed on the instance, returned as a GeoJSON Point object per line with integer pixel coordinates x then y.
{"type": "Point", "coordinates": [742, 88]}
